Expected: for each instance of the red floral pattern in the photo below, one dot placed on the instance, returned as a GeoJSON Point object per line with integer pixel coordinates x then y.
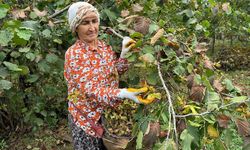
{"type": "Point", "coordinates": [94, 74]}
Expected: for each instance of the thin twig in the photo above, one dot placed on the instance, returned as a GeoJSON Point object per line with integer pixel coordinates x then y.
{"type": "Point", "coordinates": [208, 112]}
{"type": "Point", "coordinates": [127, 18]}
{"type": "Point", "coordinates": [171, 108]}
{"type": "Point", "coordinates": [58, 12]}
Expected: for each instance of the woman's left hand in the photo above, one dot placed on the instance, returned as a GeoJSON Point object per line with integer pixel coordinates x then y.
{"type": "Point", "coordinates": [127, 44]}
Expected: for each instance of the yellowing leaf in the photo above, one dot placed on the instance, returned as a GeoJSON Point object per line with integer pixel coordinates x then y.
{"type": "Point", "coordinates": [124, 13]}
{"type": "Point", "coordinates": [40, 13]}
{"type": "Point", "coordinates": [212, 132]}
{"type": "Point", "coordinates": [159, 34]}
{"type": "Point", "coordinates": [137, 7]}
{"type": "Point", "coordinates": [149, 58]}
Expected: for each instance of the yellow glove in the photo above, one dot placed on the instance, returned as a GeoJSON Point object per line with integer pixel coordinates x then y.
{"type": "Point", "coordinates": [133, 94]}
{"type": "Point", "coordinates": [127, 44]}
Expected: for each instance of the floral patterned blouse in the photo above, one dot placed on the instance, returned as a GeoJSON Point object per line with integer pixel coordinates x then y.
{"type": "Point", "coordinates": [92, 79]}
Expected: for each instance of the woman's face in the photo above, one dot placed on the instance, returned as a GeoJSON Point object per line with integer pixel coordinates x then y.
{"type": "Point", "coordinates": [88, 30]}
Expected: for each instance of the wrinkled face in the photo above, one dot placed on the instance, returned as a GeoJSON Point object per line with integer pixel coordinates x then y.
{"type": "Point", "coordinates": [88, 30]}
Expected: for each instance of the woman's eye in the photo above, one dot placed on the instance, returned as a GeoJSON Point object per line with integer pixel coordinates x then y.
{"type": "Point", "coordinates": [84, 23]}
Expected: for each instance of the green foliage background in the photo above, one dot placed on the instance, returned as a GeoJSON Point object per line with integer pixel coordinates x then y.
{"type": "Point", "coordinates": [32, 46]}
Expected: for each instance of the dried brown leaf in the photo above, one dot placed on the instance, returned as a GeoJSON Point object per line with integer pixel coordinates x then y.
{"type": "Point", "coordinates": [223, 120]}
{"type": "Point", "coordinates": [51, 24]}
{"type": "Point", "coordinates": [158, 34]}
{"type": "Point", "coordinates": [197, 93]}
{"type": "Point", "coordinates": [19, 13]}
{"type": "Point", "coordinates": [218, 86]}
{"type": "Point", "coordinates": [201, 47]}
{"type": "Point", "coordinates": [208, 64]}
{"type": "Point", "coordinates": [137, 7]}
{"type": "Point", "coordinates": [40, 13]}
{"type": "Point", "coordinates": [225, 7]}
{"type": "Point", "coordinates": [124, 13]}
{"type": "Point", "coordinates": [243, 127]}
{"type": "Point", "coordinates": [190, 81]}
{"type": "Point", "coordinates": [150, 138]}
{"type": "Point", "coordinates": [142, 25]}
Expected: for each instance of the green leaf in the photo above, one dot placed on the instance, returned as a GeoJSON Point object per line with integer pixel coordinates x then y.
{"type": "Point", "coordinates": [2, 56]}
{"type": "Point", "coordinates": [190, 68]}
{"type": "Point", "coordinates": [136, 35]}
{"type": "Point", "coordinates": [24, 33]}
{"type": "Point", "coordinates": [5, 84]}
{"type": "Point", "coordinates": [179, 70]}
{"type": "Point", "coordinates": [152, 78]}
{"type": "Point", "coordinates": [43, 66]}
{"type": "Point", "coordinates": [148, 58]}
{"type": "Point", "coordinates": [167, 145]}
{"type": "Point", "coordinates": [219, 145]}
{"type": "Point", "coordinates": [153, 28]}
{"type": "Point", "coordinates": [198, 27]}
{"type": "Point", "coordinates": [186, 140]}
{"type": "Point", "coordinates": [25, 70]}
{"type": "Point", "coordinates": [11, 66]}
{"type": "Point", "coordinates": [38, 121]}
{"type": "Point", "coordinates": [30, 56]}
{"type": "Point", "coordinates": [111, 15]}
{"type": "Point", "coordinates": [15, 54]}
{"type": "Point", "coordinates": [213, 100]}
{"type": "Point", "coordinates": [3, 72]}
{"type": "Point", "coordinates": [239, 99]}
{"type": "Point", "coordinates": [24, 49]}
{"type": "Point", "coordinates": [191, 21]}
{"type": "Point", "coordinates": [32, 78]}
{"type": "Point", "coordinates": [12, 24]}
{"type": "Point", "coordinates": [139, 140]}
{"type": "Point", "coordinates": [148, 49]}
{"type": "Point", "coordinates": [4, 8]}
{"type": "Point", "coordinates": [59, 41]}
{"type": "Point", "coordinates": [30, 24]}
{"type": "Point", "coordinates": [51, 58]}
{"type": "Point", "coordinates": [46, 33]}
{"type": "Point", "coordinates": [5, 37]}
{"type": "Point", "coordinates": [229, 85]}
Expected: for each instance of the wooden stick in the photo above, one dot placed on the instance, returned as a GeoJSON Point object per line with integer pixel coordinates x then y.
{"type": "Point", "coordinates": [58, 12]}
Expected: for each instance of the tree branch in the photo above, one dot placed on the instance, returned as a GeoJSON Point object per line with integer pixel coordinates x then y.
{"type": "Point", "coordinates": [170, 108]}
{"type": "Point", "coordinates": [58, 12]}
{"type": "Point", "coordinates": [208, 112]}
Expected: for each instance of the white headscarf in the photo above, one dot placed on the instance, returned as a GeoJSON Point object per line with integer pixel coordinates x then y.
{"type": "Point", "coordinates": [76, 13]}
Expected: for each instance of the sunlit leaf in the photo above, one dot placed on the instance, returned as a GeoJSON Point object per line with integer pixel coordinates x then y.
{"type": "Point", "coordinates": [137, 7]}
{"type": "Point", "coordinates": [24, 49]}
{"type": "Point", "coordinates": [32, 78]}
{"type": "Point", "coordinates": [24, 33]}
{"type": "Point", "coordinates": [187, 139]}
{"type": "Point", "coordinates": [212, 132]}
{"type": "Point", "coordinates": [239, 99]}
{"type": "Point", "coordinates": [149, 58]}
{"type": "Point", "coordinates": [11, 66]}
{"type": "Point", "coordinates": [5, 37]}
{"type": "Point", "coordinates": [229, 85]}
{"type": "Point", "coordinates": [4, 8]}
{"type": "Point", "coordinates": [139, 140]}
{"type": "Point", "coordinates": [5, 84]}
{"type": "Point", "coordinates": [213, 100]}
{"type": "Point", "coordinates": [51, 58]}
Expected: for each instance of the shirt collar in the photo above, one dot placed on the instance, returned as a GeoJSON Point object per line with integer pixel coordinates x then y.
{"type": "Point", "coordinates": [85, 46]}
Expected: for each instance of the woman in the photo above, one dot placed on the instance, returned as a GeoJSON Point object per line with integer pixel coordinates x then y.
{"type": "Point", "coordinates": [91, 71]}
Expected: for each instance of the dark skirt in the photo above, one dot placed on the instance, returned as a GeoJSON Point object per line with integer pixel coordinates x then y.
{"type": "Point", "coordinates": [83, 141]}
